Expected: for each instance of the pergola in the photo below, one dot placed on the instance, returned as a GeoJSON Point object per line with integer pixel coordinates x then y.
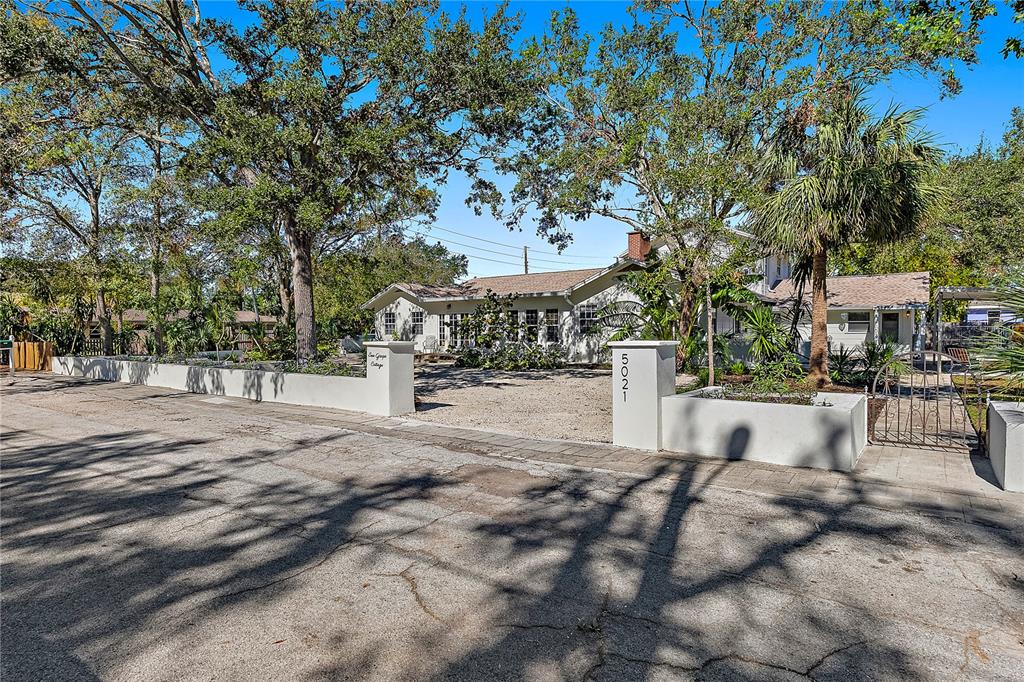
{"type": "Point", "coordinates": [958, 294]}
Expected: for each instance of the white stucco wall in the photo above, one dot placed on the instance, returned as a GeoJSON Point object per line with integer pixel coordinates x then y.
{"type": "Point", "coordinates": [817, 436]}
{"type": "Point", "coordinates": [386, 390]}
{"type": "Point", "coordinates": [1006, 443]}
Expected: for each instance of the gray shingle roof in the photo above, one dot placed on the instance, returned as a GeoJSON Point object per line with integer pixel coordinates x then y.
{"type": "Point", "coordinates": [864, 291]}
{"type": "Point", "coordinates": [524, 285]}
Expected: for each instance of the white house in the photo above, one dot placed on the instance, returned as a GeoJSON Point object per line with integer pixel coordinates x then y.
{"type": "Point", "coordinates": [556, 307]}
{"type": "Point", "coordinates": [866, 308]}
{"type": "Point", "coordinates": [560, 307]}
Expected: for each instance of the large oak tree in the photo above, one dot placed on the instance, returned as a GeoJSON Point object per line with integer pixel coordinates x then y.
{"type": "Point", "coordinates": [328, 118]}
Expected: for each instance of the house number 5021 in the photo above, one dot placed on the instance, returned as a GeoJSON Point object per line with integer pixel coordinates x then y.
{"type": "Point", "coordinates": [624, 371]}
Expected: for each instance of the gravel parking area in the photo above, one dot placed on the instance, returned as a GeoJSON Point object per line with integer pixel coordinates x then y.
{"type": "Point", "coordinates": [574, 404]}
{"type": "Point", "coordinates": [571, 403]}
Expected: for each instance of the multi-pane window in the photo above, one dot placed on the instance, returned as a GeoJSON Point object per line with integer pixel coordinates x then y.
{"type": "Point", "coordinates": [455, 322]}
{"type": "Point", "coordinates": [551, 325]}
{"type": "Point", "coordinates": [513, 318]}
{"type": "Point", "coordinates": [442, 329]}
{"type": "Point", "coordinates": [417, 322]}
{"type": "Point", "coordinates": [858, 322]}
{"type": "Point", "coordinates": [389, 323]}
{"type": "Point", "coordinates": [587, 316]}
{"type": "Point", "coordinates": [531, 325]}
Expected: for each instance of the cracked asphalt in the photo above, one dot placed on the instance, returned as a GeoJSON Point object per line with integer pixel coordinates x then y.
{"type": "Point", "coordinates": [153, 535]}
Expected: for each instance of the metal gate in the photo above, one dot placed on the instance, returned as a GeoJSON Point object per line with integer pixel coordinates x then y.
{"type": "Point", "coordinates": [926, 399]}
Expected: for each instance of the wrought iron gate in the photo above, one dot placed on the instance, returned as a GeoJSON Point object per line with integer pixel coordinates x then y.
{"type": "Point", "coordinates": [926, 399]}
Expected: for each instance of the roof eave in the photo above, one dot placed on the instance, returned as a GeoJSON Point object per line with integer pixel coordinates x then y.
{"type": "Point", "coordinates": [369, 305]}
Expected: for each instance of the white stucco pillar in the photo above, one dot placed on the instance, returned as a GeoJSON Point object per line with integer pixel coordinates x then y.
{"type": "Point", "coordinates": [643, 372]}
{"type": "Point", "coordinates": [389, 373]}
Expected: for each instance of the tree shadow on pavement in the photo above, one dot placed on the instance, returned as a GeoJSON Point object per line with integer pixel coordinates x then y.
{"type": "Point", "coordinates": [666, 606]}
{"type": "Point", "coordinates": [74, 587]}
{"type": "Point", "coordinates": [127, 539]}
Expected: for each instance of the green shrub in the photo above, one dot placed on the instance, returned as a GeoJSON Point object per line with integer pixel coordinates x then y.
{"type": "Point", "coordinates": [845, 366]}
{"type": "Point", "coordinates": [773, 377]}
{"type": "Point", "coordinates": [61, 329]}
{"type": "Point", "coordinates": [518, 355]}
{"type": "Point", "coordinates": [768, 340]}
{"type": "Point", "coordinates": [736, 368]}
{"type": "Point", "coordinates": [324, 367]}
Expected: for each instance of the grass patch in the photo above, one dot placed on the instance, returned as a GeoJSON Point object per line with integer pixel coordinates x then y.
{"type": "Point", "coordinates": [993, 388]}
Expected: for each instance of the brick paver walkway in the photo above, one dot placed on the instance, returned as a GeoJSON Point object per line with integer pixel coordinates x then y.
{"type": "Point", "coordinates": [947, 484]}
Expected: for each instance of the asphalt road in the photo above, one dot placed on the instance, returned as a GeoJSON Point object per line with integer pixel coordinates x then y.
{"type": "Point", "coordinates": [148, 535]}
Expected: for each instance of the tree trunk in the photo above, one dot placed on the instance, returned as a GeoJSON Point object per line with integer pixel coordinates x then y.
{"type": "Point", "coordinates": [158, 309]}
{"type": "Point", "coordinates": [300, 249]}
{"type": "Point", "coordinates": [156, 266]}
{"type": "Point", "coordinates": [818, 370]}
{"type": "Point", "coordinates": [684, 324]}
{"type": "Point", "coordinates": [284, 289]}
{"type": "Point", "coordinates": [710, 335]}
{"type": "Point", "coordinates": [103, 315]}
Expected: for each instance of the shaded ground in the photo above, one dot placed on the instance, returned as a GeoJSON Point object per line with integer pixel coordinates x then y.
{"type": "Point", "coordinates": [157, 535]}
{"type": "Point", "coordinates": [573, 404]}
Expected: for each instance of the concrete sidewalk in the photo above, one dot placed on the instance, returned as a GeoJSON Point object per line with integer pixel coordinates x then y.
{"type": "Point", "coordinates": [148, 534]}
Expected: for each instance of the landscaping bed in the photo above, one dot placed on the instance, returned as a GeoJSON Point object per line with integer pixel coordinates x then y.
{"type": "Point", "coordinates": [326, 367]}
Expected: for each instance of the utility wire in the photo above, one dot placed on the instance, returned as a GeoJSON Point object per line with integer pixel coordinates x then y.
{"type": "Point", "coordinates": [495, 260]}
{"type": "Point", "coordinates": [512, 246]}
{"type": "Point", "coordinates": [500, 253]}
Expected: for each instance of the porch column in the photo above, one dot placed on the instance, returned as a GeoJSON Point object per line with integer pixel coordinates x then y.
{"type": "Point", "coordinates": [643, 372]}
{"type": "Point", "coordinates": [875, 322]}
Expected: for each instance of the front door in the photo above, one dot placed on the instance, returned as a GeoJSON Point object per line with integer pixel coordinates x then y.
{"type": "Point", "coordinates": [890, 330]}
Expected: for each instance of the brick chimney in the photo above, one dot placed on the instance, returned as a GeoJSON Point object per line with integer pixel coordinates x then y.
{"type": "Point", "coordinates": [638, 246]}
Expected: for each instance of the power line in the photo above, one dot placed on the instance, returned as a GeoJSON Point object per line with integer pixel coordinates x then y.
{"type": "Point", "coordinates": [500, 253]}
{"type": "Point", "coordinates": [495, 260]}
{"type": "Point", "coordinates": [512, 246]}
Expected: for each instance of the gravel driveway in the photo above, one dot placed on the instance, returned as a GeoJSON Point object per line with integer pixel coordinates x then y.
{"type": "Point", "coordinates": [574, 404]}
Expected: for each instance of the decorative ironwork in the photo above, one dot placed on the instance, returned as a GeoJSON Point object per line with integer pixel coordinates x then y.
{"type": "Point", "coordinates": [921, 399]}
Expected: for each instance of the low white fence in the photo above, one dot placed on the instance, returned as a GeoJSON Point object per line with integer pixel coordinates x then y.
{"type": "Point", "coordinates": [647, 413]}
{"type": "Point", "coordinates": [386, 390]}
{"type": "Point", "coordinates": [1006, 443]}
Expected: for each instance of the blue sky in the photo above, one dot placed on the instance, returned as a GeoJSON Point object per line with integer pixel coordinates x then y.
{"type": "Point", "coordinates": [991, 89]}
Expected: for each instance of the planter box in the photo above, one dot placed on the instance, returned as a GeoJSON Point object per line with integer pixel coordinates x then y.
{"type": "Point", "coordinates": [1006, 443]}
{"type": "Point", "coordinates": [386, 390]}
{"type": "Point", "coordinates": [831, 434]}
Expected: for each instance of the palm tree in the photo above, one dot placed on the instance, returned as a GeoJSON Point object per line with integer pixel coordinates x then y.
{"type": "Point", "coordinates": [854, 179]}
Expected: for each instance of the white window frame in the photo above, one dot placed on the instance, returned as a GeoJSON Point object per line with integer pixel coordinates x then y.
{"type": "Point", "coordinates": [586, 317]}
{"type": "Point", "coordinates": [417, 326]}
{"type": "Point", "coordinates": [552, 328]}
{"type": "Point", "coordinates": [390, 319]}
{"type": "Point", "coordinates": [858, 326]}
{"type": "Point", "coordinates": [532, 328]}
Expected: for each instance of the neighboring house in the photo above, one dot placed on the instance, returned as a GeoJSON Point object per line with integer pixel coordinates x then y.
{"type": "Point", "coordinates": [866, 308]}
{"type": "Point", "coordinates": [561, 307]}
{"type": "Point", "coordinates": [137, 320]}
{"type": "Point", "coordinates": [132, 318]}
